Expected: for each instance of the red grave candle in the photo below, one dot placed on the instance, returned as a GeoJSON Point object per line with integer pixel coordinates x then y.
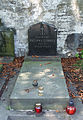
{"type": "Point", "coordinates": [38, 108]}
{"type": "Point", "coordinates": [71, 109]}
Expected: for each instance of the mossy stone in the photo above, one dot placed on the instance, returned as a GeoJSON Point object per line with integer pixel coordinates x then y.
{"type": "Point", "coordinates": [7, 43]}
{"type": "Point", "coordinates": [1, 67]}
{"type": "Point", "coordinates": [1, 24]}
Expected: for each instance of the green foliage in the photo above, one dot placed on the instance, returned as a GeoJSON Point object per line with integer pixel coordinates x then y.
{"type": "Point", "coordinates": [79, 63]}
{"type": "Point", "coordinates": [80, 54]}
{"type": "Point", "coordinates": [76, 55]}
{"type": "Point", "coordinates": [8, 107]}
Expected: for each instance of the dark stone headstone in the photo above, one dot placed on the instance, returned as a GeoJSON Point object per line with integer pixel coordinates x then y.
{"type": "Point", "coordinates": [42, 39]}
{"type": "Point", "coordinates": [74, 41]}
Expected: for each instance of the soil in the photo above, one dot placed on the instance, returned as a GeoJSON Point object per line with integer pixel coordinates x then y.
{"type": "Point", "coordinates": [73, 76]}
{"type": "Point", "coordinates": [9, 70]}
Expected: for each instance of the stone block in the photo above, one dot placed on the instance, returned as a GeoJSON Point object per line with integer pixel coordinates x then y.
{"type": "Point", "coordinates": [6, 42]}
{"type": "Point", "coordinates": [49, 74]}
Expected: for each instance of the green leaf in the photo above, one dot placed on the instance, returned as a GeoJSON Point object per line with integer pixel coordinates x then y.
{"type": "Point", "coordinates": [8, 107]}
{"type": "Point", "coordinates": [77, 55]}
{"type": "Point", "coordinates": [81, 51]}
{"type": "Point", "coordinates": [81, 56]}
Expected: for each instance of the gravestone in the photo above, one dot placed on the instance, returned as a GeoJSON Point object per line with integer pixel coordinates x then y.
{"type": "Point", "coordinates": [6, 41]}
{"type": "Point", "coordinates": [74, 41]}
{"type": "Point", "coordinates": [42, 39]}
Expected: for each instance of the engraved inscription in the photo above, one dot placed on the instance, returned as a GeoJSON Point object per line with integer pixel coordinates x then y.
{"type": "Point", "coordinates": [42, 39]}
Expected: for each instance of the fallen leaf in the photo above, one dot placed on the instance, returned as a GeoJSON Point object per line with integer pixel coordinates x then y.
{"type": "Point", "coordinates": [47, 63]}
{"type": "Point", "coordinates": [36, 56]}
{"type": "Point", "coordinates": [27, 90]}
{"type": "Point", "coordinates": [57, 111]}
{"type": "Point", "coordinates": [62, 77]}
{"type": "Point", "coordinates": [33, 56]}
{"type": "Point", "coordinates": [40, 64]}
{"type": "Point", "coordinates": [52, 74]}
{"type": "Point", "coordinates": [3, 63]}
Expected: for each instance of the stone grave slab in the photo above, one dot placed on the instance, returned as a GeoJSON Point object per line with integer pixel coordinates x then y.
{"type": "Point", "coordinates": [49, 74]}
{"type": "Point", "coordinates": [4, 59]}
{"type": "Point", "coordinates": [53, 116]}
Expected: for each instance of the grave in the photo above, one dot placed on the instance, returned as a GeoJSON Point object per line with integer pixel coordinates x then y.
{"type": "Point", "coordinates": [6, 40]}
{"type": "Point", "coordinates": [49, 75]}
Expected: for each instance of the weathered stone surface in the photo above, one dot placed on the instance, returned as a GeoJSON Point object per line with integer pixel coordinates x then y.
{"type": "Point", "coordinates": [41, 116]}
{"type": "Point", "coordinates": [6, 41]}
{"type": "Point", "coordinates": [66, 15]}
{"type": "Point", "coordinates": [50, 76]}
{"type": "Point", "coordinates": [1, 23]}
{"type": "Point", "coordinates": [74, 41]}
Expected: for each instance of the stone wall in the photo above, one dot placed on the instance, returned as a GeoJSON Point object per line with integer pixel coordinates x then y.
{"type": "Point", "coordinates": [66, 15]}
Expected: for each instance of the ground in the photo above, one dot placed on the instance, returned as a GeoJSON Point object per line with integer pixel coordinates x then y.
{"type": "Point", "coordinates": [6, 111]}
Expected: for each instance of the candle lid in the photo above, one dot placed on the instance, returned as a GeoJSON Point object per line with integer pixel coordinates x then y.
{"type": "Point", "coordinates": [38, 104]}
{"type": "Point", "coordinates": [71, 103]}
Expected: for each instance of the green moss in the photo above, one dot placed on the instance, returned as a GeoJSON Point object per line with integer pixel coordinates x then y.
{"type": "Point", "coordinates": [0, 22]}
{"type": "Point", "coordinates": [6, 40]}
{"type": "Point", "coordinates": [1, 67]}
{"type": "Point", "coordinates": [7, 47]}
